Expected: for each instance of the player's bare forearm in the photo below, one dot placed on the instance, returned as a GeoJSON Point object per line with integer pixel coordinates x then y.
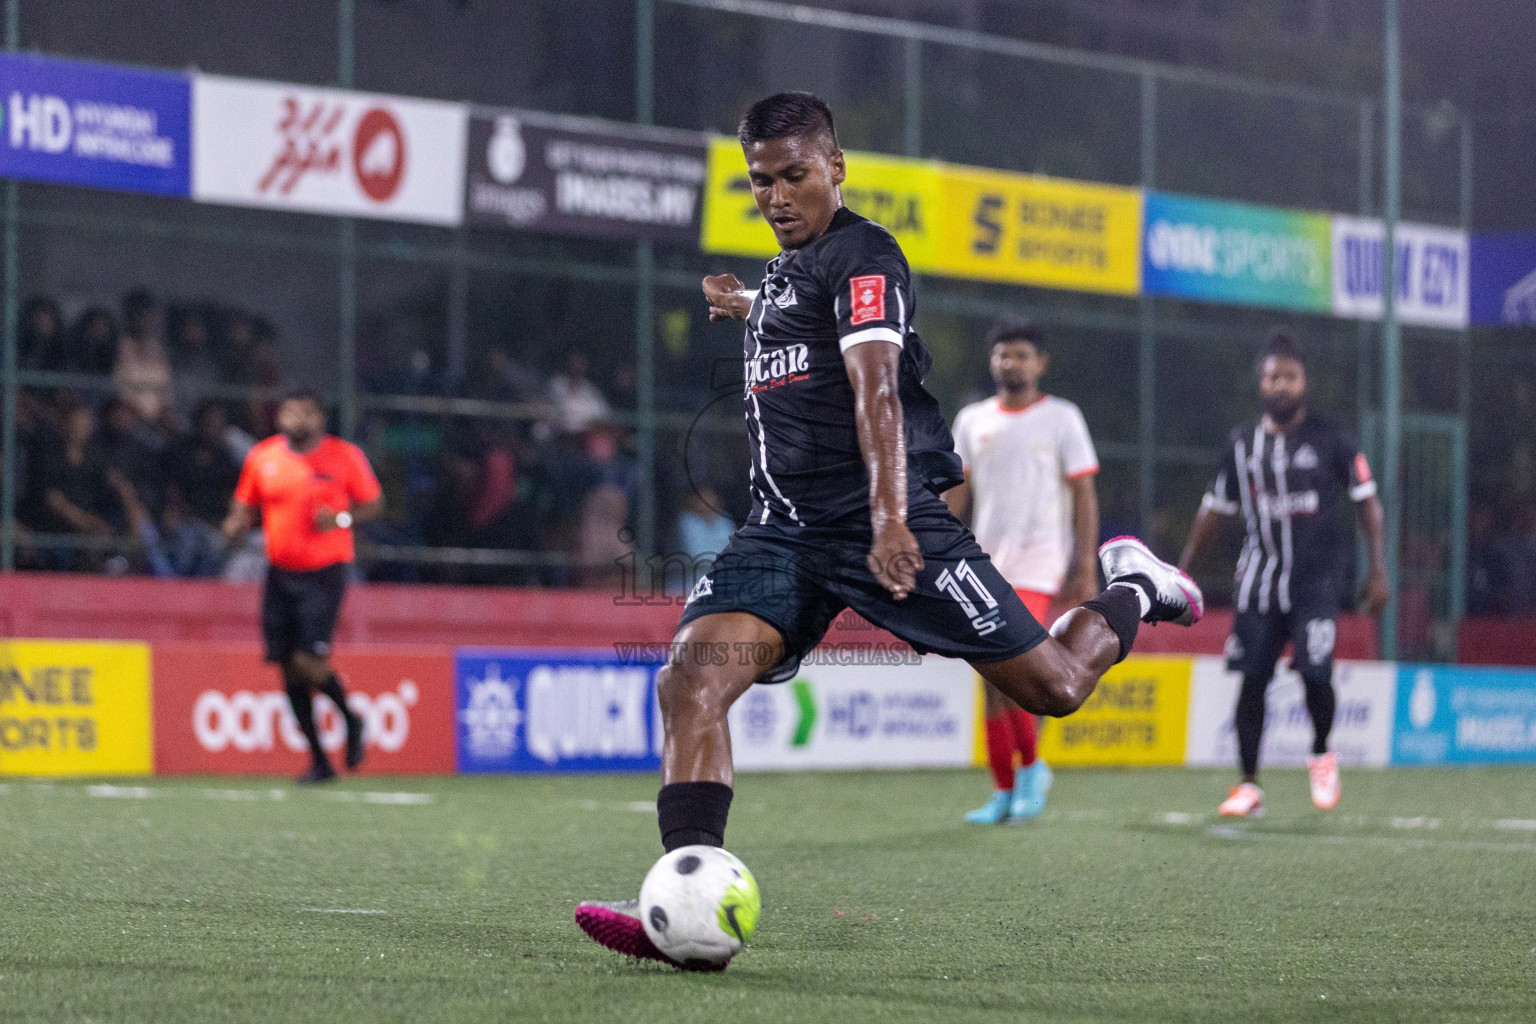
{"type": "Point", "coordinates": [874, 372]}
{"type": "Point", "coordinates": [1372, 523]}
{"type": "Point", "coordinates": [367, 511]}
{"type": "Point", "coordinates": [239, 521]}
{"type": "Point", "coordinates": [1085, 535]}
{"type": "Point", "coordinates": [958, 498]}
{"type": "Point", "coordinates": [1200, 534]}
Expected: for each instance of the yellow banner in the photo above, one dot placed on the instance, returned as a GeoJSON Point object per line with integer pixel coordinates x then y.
{"type": "Point", "coordinates": [1137, 716]}
{"type": "Point", "coordinates": [74, 708]}
{"type": "Point", "coordinates": [903, 195]}
{"type": "Point", "coordinates": [956, 221]}
{"type": "Point", "coordinates": [1028, 229]}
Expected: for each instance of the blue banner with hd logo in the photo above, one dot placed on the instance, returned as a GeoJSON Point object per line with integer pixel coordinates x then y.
{"type": "Point", "coordinates": [1450, 714]}
{"type": "Point", "coordinates": [88, 124]}
{"type": "Point", "coordinates": [554, 711]}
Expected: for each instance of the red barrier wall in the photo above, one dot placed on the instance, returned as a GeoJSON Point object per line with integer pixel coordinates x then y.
{"type": "Point", "coordinates": [1497, 642]}
{"type": "Point", "coordinates": [94, 607]}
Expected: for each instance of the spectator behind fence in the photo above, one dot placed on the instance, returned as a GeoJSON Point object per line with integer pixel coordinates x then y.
{"type": "Point", "coordinates": [40, 338]}
{"type": "Point", "coordinates": [73, 480]}
{"type": "Point", "coordinates": [92, 344]}
{"type": "Point", "coordinates": [578, 404]}
{"type": "Point", "coordinates": [702, 533]}
{"type": "Point", "coordinates": [142, 372]}
{"type": "Point", "coordinates": [133, 449]}
{"type": "Point", "coordinates": [202, 466]}
{"type": "Point", "coordinates": [193, 367]}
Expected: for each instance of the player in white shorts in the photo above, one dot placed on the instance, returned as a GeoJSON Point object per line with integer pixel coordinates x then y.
{"type": "Point", "coordinates": [1029, 468]}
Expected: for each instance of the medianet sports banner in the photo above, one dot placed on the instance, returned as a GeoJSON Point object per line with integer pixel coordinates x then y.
{"type": "Point", "coordinates": [293, 147]}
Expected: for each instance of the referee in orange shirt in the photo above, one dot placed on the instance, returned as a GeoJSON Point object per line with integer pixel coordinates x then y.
{"type": "Point", "coordinates": [311, 489]}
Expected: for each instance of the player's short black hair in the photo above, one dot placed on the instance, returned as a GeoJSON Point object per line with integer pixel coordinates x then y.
{"type": "Point", "coordinates": [1280, 343]}
{"type": "Point", "coordinates": [785, 114]}
{"type": "Point", "coordinates": [1015, 330]}
{"type": "Point", "coordinates": [301, 393]}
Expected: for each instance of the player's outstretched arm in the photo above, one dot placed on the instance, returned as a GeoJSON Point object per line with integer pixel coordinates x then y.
{"type": "Point", "coordinates": [728, 298]}
{"type": "Point", "coordinates": [1372, 524]}
{"type": "Point", "coordinates": [874, 371]}
{"type": "Point", "coordinates": [241, 519]}
{"type": "Point", "coordinates": [1207, 522]}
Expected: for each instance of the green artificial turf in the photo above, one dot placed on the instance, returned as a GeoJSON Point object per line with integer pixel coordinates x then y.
{"type": "Point", "coordinates": [206, 900]}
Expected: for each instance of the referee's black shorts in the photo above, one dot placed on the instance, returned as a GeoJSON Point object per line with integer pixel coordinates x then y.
{"type": "Point", "coordinates": [299, 609]}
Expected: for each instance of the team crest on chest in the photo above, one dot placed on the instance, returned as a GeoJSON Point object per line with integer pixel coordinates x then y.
{"type": "Point", "coordinates": [1305, 457]}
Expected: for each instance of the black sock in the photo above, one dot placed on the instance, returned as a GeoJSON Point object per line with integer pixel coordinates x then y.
{"type": "Point", "coordinates": [1248, 721]}
{"type": "Point", "coordinates": [303, 703]}
{"type": "Point", "coordinates": [1321, 704]}
{"type": "Point", "coordinates": [1121, 608]}
{"type": "Point", "coordinates": [332, 689]}
{"type": "Point", "coordinates": [693, 813]}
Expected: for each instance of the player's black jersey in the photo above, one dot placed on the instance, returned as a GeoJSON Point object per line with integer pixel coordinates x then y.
{"type": "Point", "coordinates": [1289, 489]}
{"type": "Point", "coordinates": [848, 287]}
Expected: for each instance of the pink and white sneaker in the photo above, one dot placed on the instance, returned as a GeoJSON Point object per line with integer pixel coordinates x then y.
{"type": "Point", "coordinates": [1323, 774]}
{"type": "Point", "coordinates": [1245, 801]}
{"type": "Point", "coordinates": [617, 926]}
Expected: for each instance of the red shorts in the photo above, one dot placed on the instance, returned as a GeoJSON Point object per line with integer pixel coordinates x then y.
{"type": "Point", "coordinates": [1038, 604]}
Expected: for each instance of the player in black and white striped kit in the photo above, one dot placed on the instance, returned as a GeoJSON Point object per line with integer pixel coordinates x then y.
{"type": "Point", "coordinates": [1287, 474]}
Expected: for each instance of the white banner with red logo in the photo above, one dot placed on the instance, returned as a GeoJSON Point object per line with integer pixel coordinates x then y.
{"type": "Point", "coordinates": [327, 150]}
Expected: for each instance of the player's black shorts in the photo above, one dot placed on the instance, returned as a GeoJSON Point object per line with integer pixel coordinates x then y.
{"type": "Point", "coordinates": [299, 609]}
{"type": "Point", "coordinates": [1259, 638]}
{"type": "Point", "coordinates": [799, 578]}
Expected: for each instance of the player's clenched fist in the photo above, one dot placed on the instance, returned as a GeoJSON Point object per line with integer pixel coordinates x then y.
{"type": "Point", "coordinates": [728, 298]}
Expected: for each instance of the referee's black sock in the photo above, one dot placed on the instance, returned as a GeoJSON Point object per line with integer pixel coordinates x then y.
{"type": "Point", "coordinates": [303, 702]}
{"type": "Point", "coordinates": [332, 689]}
{"type": "Point", "coordinates": [693, 813]}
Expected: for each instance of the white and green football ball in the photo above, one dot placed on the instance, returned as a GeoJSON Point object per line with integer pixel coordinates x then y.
{"type": "Point", "coordinates": [700, 904]}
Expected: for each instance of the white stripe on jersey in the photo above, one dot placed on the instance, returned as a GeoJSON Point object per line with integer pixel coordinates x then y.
{"type": "Point", "coordinates": [762, 436]}
{"type": "Point", "coordinates": [1266, 528]}
{"type": "Point", "coordinates": [1283, 494]}
{"type": "Point", "coordinates": [1248, 564]}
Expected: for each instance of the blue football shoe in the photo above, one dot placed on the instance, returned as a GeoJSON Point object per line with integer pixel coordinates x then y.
{"type": "Point", "coordinates": [994, 811]}
{"type": "Point", "coordinates": [1029, 791]}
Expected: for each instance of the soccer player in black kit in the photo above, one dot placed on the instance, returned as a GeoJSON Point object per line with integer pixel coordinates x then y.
{"type": "Point", "coordinates": [1289, 473]}
{"type": "Point", "coordinates": [849, 457]}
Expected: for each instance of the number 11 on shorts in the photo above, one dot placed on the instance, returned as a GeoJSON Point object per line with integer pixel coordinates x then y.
{"type": "Point", "coordinates": [983, 622]}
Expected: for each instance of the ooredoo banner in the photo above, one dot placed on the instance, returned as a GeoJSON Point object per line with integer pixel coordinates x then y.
{"type": "Point", "coordinates": [71, 707]}
{"type": "Point", "coordinates": [327, 150]}
{"type": "Point", "coordinates": [570, 176]}
{"type": "Point", "coordinates": [89, 124]}
{"type": "Point", "coordinates": [1362, 725]}
{"type": "Point", "coordinates": [220, 710]}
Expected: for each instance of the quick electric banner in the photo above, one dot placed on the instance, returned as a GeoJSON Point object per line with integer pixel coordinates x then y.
{"type": "Point", "coordinates": [568, 176]}
{"type": "Point", "coordinates": [1433, 268]}
{"type": "Point", "coordinates": [1237, 253]}
{"type": "Point", "coordinates": [89, 124]}
{"type": "Point", "coordinates": [329, 151]}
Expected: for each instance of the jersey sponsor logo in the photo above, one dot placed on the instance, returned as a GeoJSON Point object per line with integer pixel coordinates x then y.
{"type": "Point", "coordinates": [983, 622]}
{"type": "Point", "coordinates": [776, 367]}
{"type": "Point", "coordinates": [1305, 457]}
{"type": "Point", "coordinates": [1283, 506]}
{"type": "Point", "coordinates": [1362, 467]}
{"type": "Point", "coordinates": [868, 299]}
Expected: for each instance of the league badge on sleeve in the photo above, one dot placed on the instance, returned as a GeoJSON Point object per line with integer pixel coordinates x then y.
{"type": "Point", "coordinates": [868, 300]}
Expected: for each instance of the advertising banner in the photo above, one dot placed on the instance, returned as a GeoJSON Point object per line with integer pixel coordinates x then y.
{"type": "Point", "coordinates": [899, 193]}
{"type": "Point", "coordinates": [554, 710]}
{"type": "Point", "coordinates": [1237, 253]}
{"type": "Point", "coordinates": [219, 710]}
{"type": "Point", "coordinates": [1448, 714]}
{"type": "Point", "coordinates": [88, 124]}
{"type": "Point", "coordinates": [1433, 272]}
{"type": "Point", "coordinates": [1029, 229]}
{"type": "Point", "coordinates": [294, 147]}
{"type": "Point", "coordinates": [1362, 726]}
{"type": "Point", "coordinates": [1504, 279]}
{"type": "Point", "coordinates": [916, 715]}
{"type": "Point", "coordinates": [74, 708]}
{"type": "Point", "coordinates": [1136, 716]}
{"type": "Point", "coordinates": [568, 176]}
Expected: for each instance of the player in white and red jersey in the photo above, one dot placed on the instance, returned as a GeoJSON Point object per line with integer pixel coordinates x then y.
{"type": "Point", "coordinates": [1029, 469]}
